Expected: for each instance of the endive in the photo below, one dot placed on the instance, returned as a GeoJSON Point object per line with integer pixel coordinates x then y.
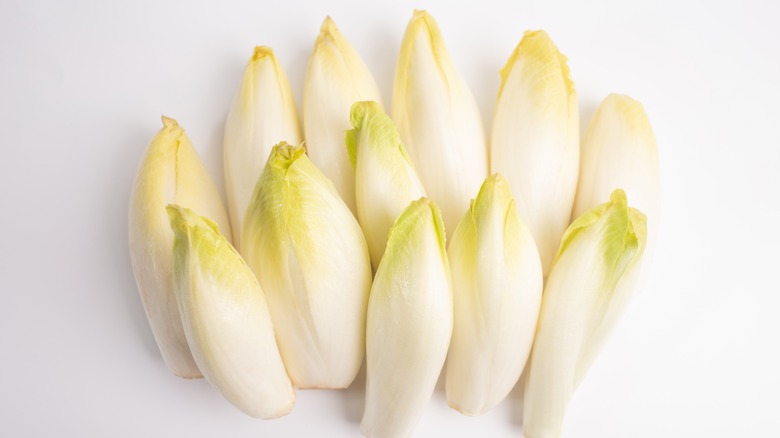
{"type": "Point", "coordinates": [409, 323]}
{"type": "Point", "coordinates": [497, 285]}
{"type": "Point", "coordinates": [385, 179]}
{"type": "Point", "coordinates": [336, 77]}
{"type": "Point", "coordinates": [226, 319]}
{"type": "Point", "coordinates": [171, 172]}
{"type": "Point", "coordinates": [535, 141]}
{"type": "Point", "coordinates": [591, 280]}
{"type": "Point", "coordinates": [311, 259]}
{"type": "Point", "coordinates": [263, 114]}
{"type": "Point", "coordinates": [619, 150]}
{"type": "Point", "coordinates": [438, 120]}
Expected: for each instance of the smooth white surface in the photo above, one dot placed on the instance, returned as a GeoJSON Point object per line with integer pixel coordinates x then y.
{"type": "Point", "coordinates": [82, 87]}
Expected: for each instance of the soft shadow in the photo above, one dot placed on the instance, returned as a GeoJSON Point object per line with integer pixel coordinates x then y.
{"type": "Point", "coordinates": [515, 399]}
{"type": "Point", "coordinates": [588, 107]}
{"type": "Point", "coordinates": [440, 391]}
{"type": "Point", "coordinates": [353, 398]}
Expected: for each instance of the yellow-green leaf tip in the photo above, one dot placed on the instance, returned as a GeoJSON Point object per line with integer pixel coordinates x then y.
{"type": "Point", "coordinates": [183, 219]}
{"type": "Point", "coordinates": [622, 232]}
{"type": "Point", "coordinates": [407, 222]}
{"type": "Point", "coordinates": [369, 117]}
{"type": "Point", "coordinates": [283, 155]}
{"type": "Point", "coordinates": [538, 47]}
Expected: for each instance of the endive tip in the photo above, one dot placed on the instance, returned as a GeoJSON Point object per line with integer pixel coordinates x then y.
{"type": "Point", "coordinates": [420, 14]}
{"type": "Point", "coordinates": [328, 25]}
{"type": "Point", "coordinates": [330, 42]}
{"type": "Point", "coordinates": [412, 214]}
{"type": "Point", "coordinates": [357, 116]}
{"type": "Point", "coordinates": [494, 182]}
{"type": "Point", "coordinates": [623, 237]}
{"type": "Point", "coordinates": [182, 218]}
{"type": "Point", "coordinates": [423, 21]}
{"type": "Point", "coordinates": [261, 52]}
{"type": "Point", "coordinates": [283, 155]}
{"type": "Point", "coordinates": [631, 111]}
{"type": "Point", "coordinates": [537, 44]}
{"type": "Point", "coordinates": [359, 110]}
{"type": "Point", "coordinates": [496, 191]}
{"type": "Point", "coordinates": [328, 29]}
{"type": "Point", "coordinates": [169, 123]}
{"type": "Point", "coordinates": [368, 115]}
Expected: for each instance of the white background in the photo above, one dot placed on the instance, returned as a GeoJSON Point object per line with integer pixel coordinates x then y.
{"type": "Point", "coordinates": [82, 88]}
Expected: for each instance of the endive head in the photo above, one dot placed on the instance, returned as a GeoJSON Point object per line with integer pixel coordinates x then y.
{"type": "Point", "coordinates": [311, 258]}
{"type": "Point", "coordinates": [619, 231]}
{"type": "Point", "coordinates": [385, 178]}
{"type": "Point", "coordinates": [497, 285]}
{"type": "Point", "coordinates": [409, 323]}
{"type": "Point", "coordinates": [226, 318]}
{"type": "Point", "coordinates": [171, 172]}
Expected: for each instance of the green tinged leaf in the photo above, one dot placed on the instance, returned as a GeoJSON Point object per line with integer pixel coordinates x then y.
{"type": "Point", "coordinates": [407, 229]}
{"type": "Point", "coordinates": [368, 118]}
{"type": "Point", "coordinates": [622, 230]}
{"type": "Point", "coordinates": [198, 236]}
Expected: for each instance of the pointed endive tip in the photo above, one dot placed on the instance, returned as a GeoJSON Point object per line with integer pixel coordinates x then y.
{"type": "Point", "coordinates": [625, 233]}
{"type": "Point", "coordinates": [537, 45]}
{"type": "Point", "coordinates": [360, 110]}
{"type": "Point", "coordinates": [495, 184]}
{"type": "Point", "coordinates": [175, 216]}
{"type": "Point", "coordinates": [328, 31]}
{"type": "Point", "coordinates": [169, 123]}
{"type": "Point", "coordinates": [422, 21]}
{"type": "Point", "coordinates": [261, 52]}
{"type": "Point", "coordinates": [283, 155]}
{"type": "Point", "coordinates": [494, 192]}
{"type": "Point", "coordinates": [182, 218]}
{"type": "Point", "coordinates": [632, 113]}
{"type": "Point", "coordinates": [358, 113]}
{"type": "Point", "coordinates": [416, 211]}
{"type": "Point", "coordinates": [331, 45]}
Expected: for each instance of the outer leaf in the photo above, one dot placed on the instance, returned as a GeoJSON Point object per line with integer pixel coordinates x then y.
{"type": "Point", "coordinates": [311, 259]}
{"type": "Point", "coordinates": [171, 172]}
{"type": "Point", "coordinates": [409, 323]}
{"type": "Point", "coordinates": [226, 318]}
{"type": "Point", "coordinates": [535, 142]}
{"type": "Point", "coordinates": [592, 278]}
{"type": "Point", "coordinates": [497, 284]}
{"type": "Point", "coordinates": [263, 114]}
{"type": "Point", "coordinates": [438, 119]}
